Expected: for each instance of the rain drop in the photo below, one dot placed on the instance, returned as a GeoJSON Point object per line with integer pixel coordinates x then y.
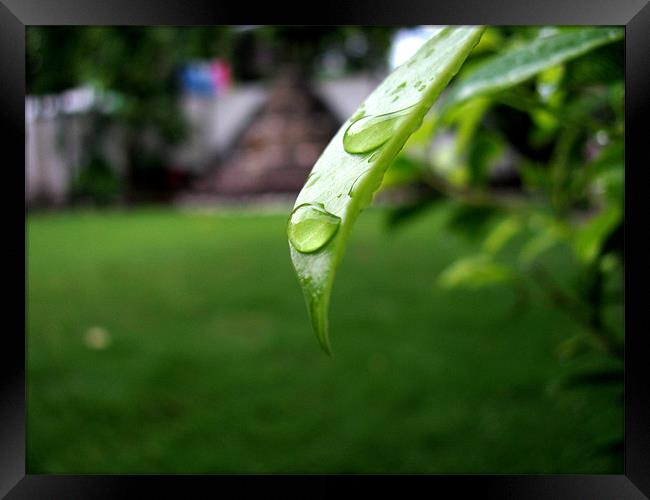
{"type": "Point", "coordinates": [352, 190]}
{"type": "Point", "coordinates": [311, 227]}
{"type": "Point", "coordinates": [370, 132]}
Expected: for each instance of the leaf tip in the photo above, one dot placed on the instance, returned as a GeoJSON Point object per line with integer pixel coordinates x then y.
{"type": "Point", "coordinates": [326, 347]}
{"type": "Point", "coordinates": [320, 325]}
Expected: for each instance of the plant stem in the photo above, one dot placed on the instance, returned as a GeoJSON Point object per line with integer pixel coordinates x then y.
{"type": "Point", "coordinates": [589, 315]}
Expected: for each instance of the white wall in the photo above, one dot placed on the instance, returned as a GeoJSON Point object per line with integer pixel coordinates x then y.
{"type": "Point", "coordinates": [55, 127]}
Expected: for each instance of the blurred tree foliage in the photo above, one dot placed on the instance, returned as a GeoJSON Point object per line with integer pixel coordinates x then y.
{"type": "Point", "coordinates": [262, 50]}
{"type": "Point", "coordinates": [527, 147]}
{"type": "Point", "coordinates": [136, 64]}
{"type": "Point", "coordinates": [139, 65]}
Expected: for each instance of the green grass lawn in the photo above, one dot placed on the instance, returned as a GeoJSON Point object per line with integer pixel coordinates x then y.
{"type": "Point", "coordinates": [212, 367]}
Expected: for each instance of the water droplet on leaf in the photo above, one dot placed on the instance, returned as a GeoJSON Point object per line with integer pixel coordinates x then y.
{"type": "Point", "coordinates": [366, 195]}
{"type": "Point", "coordinates": [370, 132]}
{"type": "Point", "coordinates": [311, 227]}
{"type": "Point", "coordinates": [352, 190]}
{"type": "Point", "coordinates": [373, 156]}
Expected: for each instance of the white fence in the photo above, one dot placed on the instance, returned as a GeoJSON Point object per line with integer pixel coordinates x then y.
{"type": "Point", "coordinates": [56, 127]}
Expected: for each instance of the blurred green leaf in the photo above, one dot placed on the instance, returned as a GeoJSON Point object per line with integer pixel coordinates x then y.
{"type": "Point", "coordinates": [548, 82]}
{"type": "Point", "coordinates": [611, 183]}
{"type": "Point", "coordinates": [468, 122]}
{"type": "Point", "coordinates": [404, 170]}
{"type": "Point", "coordinates": [503, 232]}
{"type": "Point", "coordinates": [610, 157]}
{"type": "Point", "coordinates": [534, 175]}
{"type": "Point", "coordinates": [573, 347]}
{"type": "Point", "coordinates": [524, 61]}
{"type": "Point", "coordinates": [474, 272]}
{"type": "Point", "coordinates": [607, 172]}
{"type": "Point", "coordinates": [407, 211]}
{"type": "Point", "coordinates": [422, 136]}
{"type": "Point", "coordinates": [537, 245]}
{"type": "Point", "coordinates": [602, 65]}
{"type": "Point", "coordinates": [487, 151]}
{"type": "Point", "coordinates": [471, 221]}
{"type": "Point", "coordinates": [454, 156]}
{"type": "Point", "coordinates": [444, 162]}
{"type": "Point", "coordinates": [590, 238]}
{"type": "Point", "coordinates": [548, 233]}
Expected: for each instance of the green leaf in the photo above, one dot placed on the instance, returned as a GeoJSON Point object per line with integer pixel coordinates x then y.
{"type": "Point", "coordinates": [346, 176]}
{"type": "Point", "coordinates": [471, 221]}
{"type": "Point", "coordinates": [548, 233]}
{"type": "Point", "coordinates": [607, 173]}
{"type": "Point", "coordinates": [503, 232]}
{"type": "Point", "coordinates": [590, 238]}
{"type": "Point", "coordinates": [574, 346]}
{"type": "Point", "coordinates": [524, 61]}
{"type": "Point", "coordinates": [603, 65]}
{"type": "Point", "coordinates": [405, 212]}
{"type": "Point", "coordinates": [403, 170]}
{"type": "Point", "coordinates": [474, 272]}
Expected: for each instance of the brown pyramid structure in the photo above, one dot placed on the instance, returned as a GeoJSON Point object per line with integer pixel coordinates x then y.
{"type": "Point", "coordinates": [277, 149]}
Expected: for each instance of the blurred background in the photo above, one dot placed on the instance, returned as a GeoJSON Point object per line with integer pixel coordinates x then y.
{"type": "Point", "coordinates": [477, 318]}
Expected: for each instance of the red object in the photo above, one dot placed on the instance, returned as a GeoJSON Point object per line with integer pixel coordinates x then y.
{"type": "Point", "coordinates": [221, 75]}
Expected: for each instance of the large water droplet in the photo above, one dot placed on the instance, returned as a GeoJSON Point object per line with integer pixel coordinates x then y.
{"type": "Point", "coordinates": [311, 227]}
{"type": "Point", "coordinates": [370, 132]}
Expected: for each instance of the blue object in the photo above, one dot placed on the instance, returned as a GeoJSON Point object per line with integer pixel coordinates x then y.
{"type": "Point", "coordinates": [197, 79]}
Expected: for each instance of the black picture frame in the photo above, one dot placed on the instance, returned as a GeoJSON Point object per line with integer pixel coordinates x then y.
{"type": "Point", "coordinates": [633, 14]}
